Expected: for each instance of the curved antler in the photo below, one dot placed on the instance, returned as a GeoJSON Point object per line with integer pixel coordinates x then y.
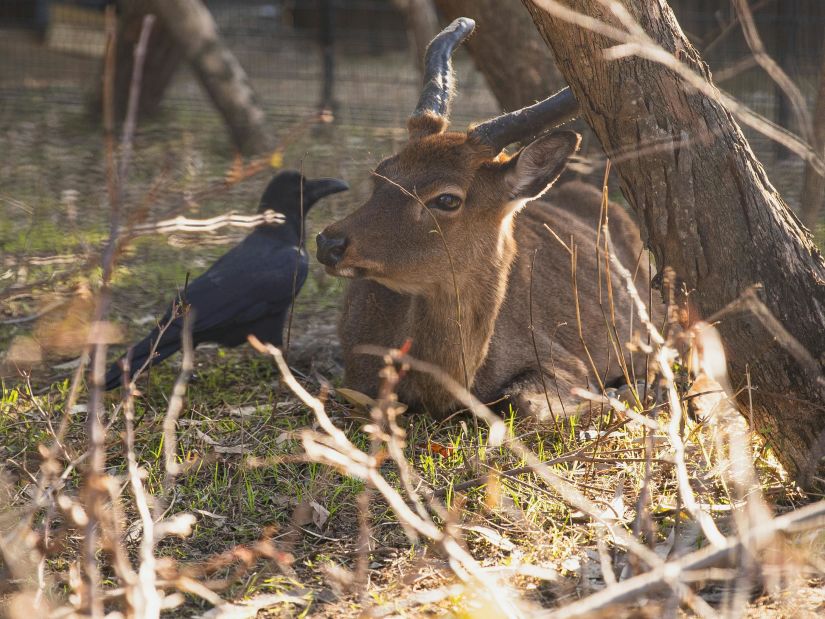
{"type": "Point", "coordinates": [527, 122]}
{"type": "Point", "coordinates": [438, 78]}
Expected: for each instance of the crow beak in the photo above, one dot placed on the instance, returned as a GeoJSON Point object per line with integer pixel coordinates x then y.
{"type": "Point", "coordinates": [318, 188]}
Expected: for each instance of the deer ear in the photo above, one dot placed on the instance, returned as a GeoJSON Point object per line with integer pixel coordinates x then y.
{"type": "Point", "coordinates": [536, 166]}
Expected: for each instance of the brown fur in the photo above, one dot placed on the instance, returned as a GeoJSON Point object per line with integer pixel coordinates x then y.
{"type": "Point", "coordinates": [404, 287]}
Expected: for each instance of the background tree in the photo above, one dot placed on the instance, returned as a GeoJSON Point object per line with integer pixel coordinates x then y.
{"type": "Point", "coordinates": [422, 25]}
{"type": "Point", "coordinates": [813, 188]}
{"type": "Point", "coordinates": [221, 75]}
{"type": "Point", "coordinates": [507, 50]}
{"type": "Point", "coordinates": [186, 30]}
{"type": "Point", "coordinates": [163, 56]}
{"type": "Point", "coordinates": [709, 212]}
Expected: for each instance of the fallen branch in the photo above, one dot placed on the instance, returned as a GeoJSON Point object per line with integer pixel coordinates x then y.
{"type": "Point", "coordinates": [805, 519]}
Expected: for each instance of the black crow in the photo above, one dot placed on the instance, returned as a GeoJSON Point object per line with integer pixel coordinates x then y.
{"type": "Point", "coordinates": [250, 288]}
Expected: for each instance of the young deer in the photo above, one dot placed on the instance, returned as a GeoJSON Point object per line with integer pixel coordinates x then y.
{"type": "Point", "coordinates": [446, 217]}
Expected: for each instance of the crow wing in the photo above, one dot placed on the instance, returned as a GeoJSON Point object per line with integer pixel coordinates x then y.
{"type": "Point", "coordinates": [249, 284]}
{"type": "Point", "coordinates": [253, 280]}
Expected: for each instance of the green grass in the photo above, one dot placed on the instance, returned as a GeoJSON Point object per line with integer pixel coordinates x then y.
{"type": "Point", "coordinates": [240, 497]}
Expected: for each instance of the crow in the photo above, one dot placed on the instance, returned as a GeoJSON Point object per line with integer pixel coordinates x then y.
{"type": "Point", "coordinates": [250, 288]}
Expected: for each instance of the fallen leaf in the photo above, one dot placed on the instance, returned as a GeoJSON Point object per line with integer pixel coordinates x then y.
{"type": "Point", "coordinates": [179, 525]}
{"type": "Point", "coordinates": [208, 514]}
{"type": "Point", "coordinates": [493, 537]}
{"type": "Point", "coordinates": [217, 447]}
{"type": "Point", "coordinates": [247, 609]}
{"type": "Point", "coordinates": [243, 411]}
{"type": "Point", "coordinates": [363, 401]}
{"type": "Point", "coordinates": [445, 451]}
{"type": "Point", "coordinates": [616, 508]}
{"type": "Point", "coordinates": [571, 564]}
{"type": "Point", "coordinates": [356, 398]}
{"type": "Point", "coordinates": [320, 514]}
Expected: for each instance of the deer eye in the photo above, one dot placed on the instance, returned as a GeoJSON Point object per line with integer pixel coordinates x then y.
{"type": "Point", "coordinates": [445, 202]}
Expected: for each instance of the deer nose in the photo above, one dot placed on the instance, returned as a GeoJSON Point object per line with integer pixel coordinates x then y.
{"type": "Point", "coordinates": [330, 250]}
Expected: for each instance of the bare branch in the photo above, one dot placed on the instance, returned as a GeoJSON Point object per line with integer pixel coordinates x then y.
{"type": "Point", "coordinates": [772, 68]}
{"type": "Point", "coordinates": [176, 405]}
{"type": "Point", "coordinates": [636, 42]}
{"type": "Point", "coordinates": [806, 518]}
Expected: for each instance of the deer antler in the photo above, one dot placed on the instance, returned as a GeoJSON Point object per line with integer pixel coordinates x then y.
{"type": "Point", "coordinates": [527, 122]}
{"type": "Point", "coordinates": [432, 111]}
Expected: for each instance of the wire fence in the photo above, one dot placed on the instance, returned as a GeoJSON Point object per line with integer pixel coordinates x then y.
{"type": "Point", "coordinates": [51, 51]}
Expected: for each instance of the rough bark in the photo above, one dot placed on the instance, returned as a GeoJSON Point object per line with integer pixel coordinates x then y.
{"type": "Point", "coordinates": [507, 50]}
{"type": "Point", "coordinates": [163, 56]}
{"type": "Point", "coordinates": [709, 212]}
{"type": "Point", "coordinates": [785, 28]}
{"type": "Point", "coordinates": [813, 188]}
{"type": "Point", "coordinates": [221, 75]}
{"type": "Point", "coordinates": [326, 39]}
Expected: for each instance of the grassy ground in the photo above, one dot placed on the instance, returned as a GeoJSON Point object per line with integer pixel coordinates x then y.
{"type": "Point", "coordinates": [245, 479]}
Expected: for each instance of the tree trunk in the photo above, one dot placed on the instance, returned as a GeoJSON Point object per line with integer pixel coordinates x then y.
{"type": "Point", "coordinates": [813, 188]}
{"type": "Point", "coordinates": [422, 25]}
{"type": "Point", "coordinates": [507, 50]}
{"type": "Point", "coordinates": [785, 33]}
{"type": "Point", "coordinates": [220, 73]}
{"type": "Point", "coordinates": [326, 39]}
{"type": "Point", "coordinates": [163, 57]}
{"type": "Point", "coordinates": [709, 212]}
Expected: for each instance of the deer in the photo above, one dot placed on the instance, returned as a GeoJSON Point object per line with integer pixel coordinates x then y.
{"type": "Point", "coordinates": [458, 252]}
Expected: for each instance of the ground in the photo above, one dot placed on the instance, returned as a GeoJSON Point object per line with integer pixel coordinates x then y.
{"type": "Point", "coordinates": [338, 551]}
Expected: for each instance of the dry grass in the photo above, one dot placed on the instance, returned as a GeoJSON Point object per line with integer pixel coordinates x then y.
{"type": "Point", "coordinates": [268, 521]}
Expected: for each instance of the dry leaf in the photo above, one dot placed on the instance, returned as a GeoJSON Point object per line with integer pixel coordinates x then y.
{"type": "Point", "coordinates": [247, 609]}
{"type": "Point", "coordinates": [356, 398]}
{"type": "Point", "coordinates": [217, 447]}
{"type": "Point", "coordinates": [243, 411]}
{"type": "Point", "coordinates": [445, 451]}
{"type": "Point", "coordinates": [493, 537]}
{"type": "Point", "coordinates": [179, 525]}
{"type": "Point", "coordinates": [320, 514]}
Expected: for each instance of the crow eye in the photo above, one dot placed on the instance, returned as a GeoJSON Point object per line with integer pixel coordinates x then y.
{"type": "Point", "coordinates": [445, 202]}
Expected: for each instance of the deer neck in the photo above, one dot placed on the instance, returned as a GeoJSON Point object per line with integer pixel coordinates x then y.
{"type": "Point", "coordinates": [453, 331]}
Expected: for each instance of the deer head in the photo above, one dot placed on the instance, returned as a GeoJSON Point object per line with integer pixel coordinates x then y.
{"type": "Point", "coordinates": [447, 197]}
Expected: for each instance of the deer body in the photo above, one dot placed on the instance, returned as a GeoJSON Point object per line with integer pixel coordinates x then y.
{"type": "Point", "coordinates": [511, 368]}
{"type": "Point", "coordinates": [495, 302]}
{"type": "Point", "coordinates": [442, 254]}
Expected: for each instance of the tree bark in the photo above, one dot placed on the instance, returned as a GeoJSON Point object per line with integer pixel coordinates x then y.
{"type": "Point", "coordinates": [326, 39]}
{"type": "Point", "coordinates": [163, 56]}
{"type": "Point", "coordinates": [708, 211]}
{"type": "Point", "coordinates": [813, 188]}
{"type": "Point", "coordinates": [507, 50]}
{"type": "Point", "coordinates": [191, 25]}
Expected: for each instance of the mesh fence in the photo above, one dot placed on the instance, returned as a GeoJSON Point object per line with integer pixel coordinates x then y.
{"type": "Point", "coordinates": [50, 55]}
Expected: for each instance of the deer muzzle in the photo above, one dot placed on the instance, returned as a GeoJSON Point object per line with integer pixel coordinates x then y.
{"type": "Point", "coordinates": [330, 249]}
